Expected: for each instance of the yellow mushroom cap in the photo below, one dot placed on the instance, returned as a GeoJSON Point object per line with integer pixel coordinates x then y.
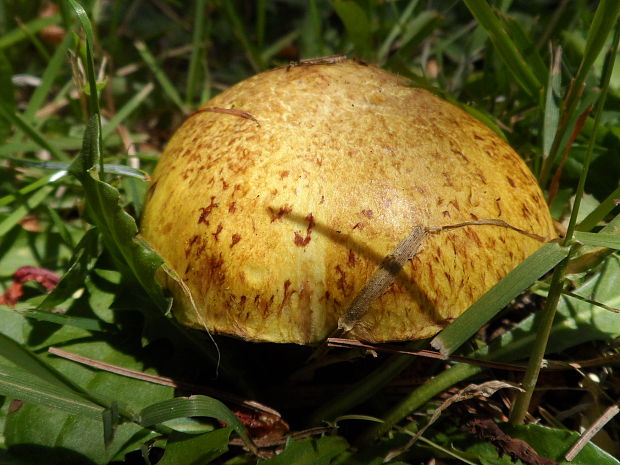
{"type": "Point", "coordinates": [277, 201]}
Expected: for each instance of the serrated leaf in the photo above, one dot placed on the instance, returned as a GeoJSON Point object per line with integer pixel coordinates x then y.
{"type": "Point", "coordinates": [118, 229]}
{"type": "Point", "coordinates": [188, 449]}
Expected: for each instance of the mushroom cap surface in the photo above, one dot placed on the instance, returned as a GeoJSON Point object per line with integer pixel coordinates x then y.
{"type": "Point", "coordinates": [277, 201]}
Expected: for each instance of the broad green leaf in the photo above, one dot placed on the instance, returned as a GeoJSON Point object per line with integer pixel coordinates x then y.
{"type": "Point", "coordinates": [498, 297]}
{"type": "Point", "coordinates": [554, 443]}
{"type": "Point", "coordinates": [78, 433]}
{"type": "Point", "coordinates": [319, 451]}
{"type": "Point", "coordinates": [20, 384]}
{"type": "Point", "coordinates": [28, 362]}
{"type": "Point", "coordinates": [188, 449]}
{"type": "Point", "coordinates": [193, 406]}
{"type": "Point", "coordinates": [19, 247]}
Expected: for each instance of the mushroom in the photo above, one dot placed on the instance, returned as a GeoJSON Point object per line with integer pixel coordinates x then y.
{"type": "Point", "coordinates": [277, 201]}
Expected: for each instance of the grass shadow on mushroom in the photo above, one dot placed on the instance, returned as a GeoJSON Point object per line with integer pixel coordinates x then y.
{"type": "Point", "coordinates": [401, 279]}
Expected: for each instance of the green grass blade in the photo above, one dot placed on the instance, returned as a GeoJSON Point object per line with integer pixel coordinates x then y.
{"type": "Point", "coordinates": [82, 262]}
{"type": "Point", "coordinates": [273, 49]}
{"type": "Point", "coordinates": [316, 41]}
{"type": "Point", "coordinates": [239, 28]}
{"type": "Point", "coordinates": [551, 117]}
{"type": "Point", "coordinates": [26, 127]}
{"type": "Point", "coordinates": [32, 27]}
{"type": "Point", "coordinates": [86, 25]}
{"type": "Point", "coordinates": [530, 378]}
{"type": "Point", "coordinates": [20, 384]}
{"type": "Point", "coordinates": [604, 19]}
{"type": "Point", "coordinates": [519, 279]}
{"type": "Point", "coordinates": [363, 390]}
{"type": "Point", "coordinates": [198, 55]}
{"type": "Point", "coordinates": [611, 241]}
{"type": "Point", "coordinates": [160, 75]}
{"type": "Point", "coordinates": [603, 23]}
{"type": "Point", "coordinates": [508, 52]}
{"type": "Point", "coordinates": [418, 29]}
{"type": "Point", "coordinates": [125, 111]}
{"type": "Point", "coordinates": [27, 361]}
{"type": "Point", "coordinates": [261, 20]}
{"type": "Point", "coordinates": [88, 59]}
{"type": "Point", "coordinates": [600, 106]}
{"type": "Point", "coordinates": [57, 62]}
{"type": "Point", "coordinates": [62, 167]}
{"type": "Point", "coordinates": [61, 143]}
{"type": "Point", "coordinates": [8, 199]}
{"type": "Point", "coordinates": [203, 406]}
{"type": "Point", "coordinates": [89, 324]}
{"type": "Point", "coordinates": [357, 25]}
{"type": "Point", "coordinates": [61, 227]}
{"type": "Point", "coordinates": [396, 30]}
{"type": "Point", "coordinates": [27, 206]}
{"type": "Point", "coordinates": [599, 213]}
{"type": "Point", "coordinates": [417, 398]}
{"type": "Point", "coordinates": [7, 94]}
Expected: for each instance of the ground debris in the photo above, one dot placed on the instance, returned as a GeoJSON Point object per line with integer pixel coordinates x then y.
{"type": "Point", "coordinates": [45, 277]}
{"type": "Point", "coordinates": [487, 430]}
